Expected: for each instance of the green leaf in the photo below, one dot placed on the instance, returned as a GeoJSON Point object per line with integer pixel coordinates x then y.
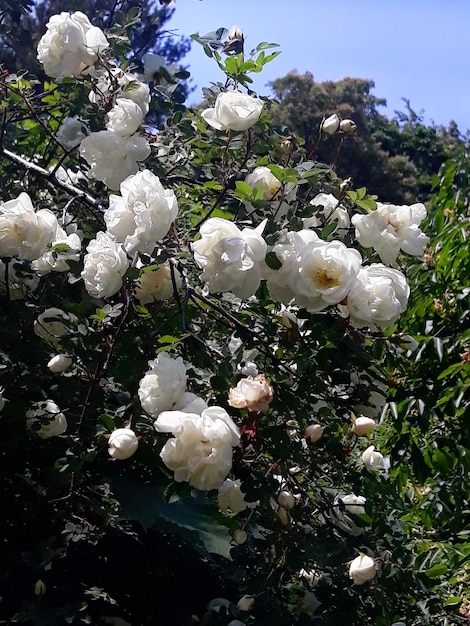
{"type": "Point", "coordinates": [439, 569]}
{"type": "Point", "coordinates": [272, 261]}
{"type": "Point", "coordinates": [453, 600]}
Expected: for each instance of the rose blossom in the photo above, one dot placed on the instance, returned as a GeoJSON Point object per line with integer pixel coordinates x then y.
{"type": "Point", "coordinates": [56, 423]}
{"type": "Point", "coordinates": [143, 214]}
{"type": "Point", "coordinates": [253, 394]}
{"type": "Point", "coordinates": [55, 260]}
{"type": "Point", "coordinates": [230, 257]}
{"type": "Point", "coordinates": [70, 44]}
{"type": "Point", "coordinates": [24, 232]}
{"type": "Point", "coordinates": [390, 229]}
{"type": "Point", "coordinates": [104, 266]}
{"type": "Point", "coordinates": [164, 385]}
{"type": "Point", "coordinates": [231, 498]}
{"type": "Point", "coordinates": [378, 297]}
{"type": "Point", "coordinates": [200, 451]}
{"type": "Point", "coordinates": [156, 284]}
{"type": "Point", "coordinates": [362, 569]}
{"type": "Point", "coordinates": [122, 444]}
{"type": "Point", "coordinates": [111, 157]}
{"type": "Point", "coordinates": [263, 179]}
{"type": "Point", "coordinates": [329, 210]}
{"type": "Point", "coordinates": [125, 117]}
{"type": "Point", "coordinates": [372, 459]}
{"type": "Point", "coordinates": [363, 426]}
{"type": "Point", "coordinates": [233, 111]}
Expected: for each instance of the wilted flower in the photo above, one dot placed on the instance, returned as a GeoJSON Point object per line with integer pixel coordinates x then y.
{"type": "Point", "coordinates": [233, 111]}
{"type": "Point", "coordinates": [362, 426]}
{"type": "Point", "coordinates": [362, 569]}
{"type": "Point", "coordinates": [70, 45]}
{"type": "Point", "coordinates": [253, 394]}
{"type": "Point", "coordinates": [104, 266]}
{"type": "Point", "coordinates": [59, 363]}
{"type": "Point", "coordinates": [111, 157]}
{"type": "Point", "coordinates": [372, 459]}
{"type": "Point", "coordinates": [391, 228]}
{"type": "Point", "coordinates": [200, 451]}
{"type": "Point", "coordinates": [230, 257]}
{"type": "Point", "coordinates": [164, 385]}
{"type": "Point", "coordinates": [142, 214]}
{"type": "Point", "coordinates": [47, 414]}
{"type": "Point", "coordinates": [122, 443]}
{"type": "Point", "coordinates": [24, 232]}
{"type": "Point", "coordinates": [330, 125]}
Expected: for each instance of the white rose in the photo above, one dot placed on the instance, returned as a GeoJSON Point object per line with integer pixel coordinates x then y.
{"type": "Point", "coordinates": [131, 88]}
{"type": "Point", "coordinates": [263, 179]}
{"type": "Point", "coordinates": [122, 444]}
{"type": "Point", "coordinates": [314, 432]}
{"type": "Point", "coordinates": [59, 363]}
{"type": "Point", "coordinates": [25, 233]}
{"type": "Point", "coordinates": [125, 117]}
{"type": "Point", "coordinates": [231, 498]}
{"type": "Point", "coordinates": [113, 158]}
{"type": "Point", "coordinates": [233, 111]}
{"type": "Point", "coordinates": [327, 272]}
{"type": "Point", "coordinates": [48, 415]}
{"type": "Point", "coordinates": [363, 426]}
{"type": "Point", "coordinates": [286, 500]}
{"type": "Point", "coordinates": [70, 132]}
{"type": "Point", "coordinates": [156, 284]}
{"type": "Point", "coordinates": [143, 214]}
{"type": "Point", "coordinates": [362, 569]}
{"type": "Point", "coordinates": [372, 459]}
{"type": "Point", "coordinates": [70, 44]}
{"type": "Point", "coordinates": [200, 452]}
{"type": "Point", "coordinates": [164, 385]}
{"type": "Point", "coordinates": [390, 229]}
{"type": "Point", "coordinates": [104, 266]}
{"type": "Point", "coordinates": [50, 325]}
{"type": "Point", "coordinates": [55, 260]}
{"type": "Point", "coordinates": [253, 394]}
{"type": "Point", "coordinates": [378, 297]}
{"type": "Point", "coordinates": [329, 211]}
{"type": "Point", "coordinates": [352, 503]}
{"type": "Point", "coordinates": [230, 258]}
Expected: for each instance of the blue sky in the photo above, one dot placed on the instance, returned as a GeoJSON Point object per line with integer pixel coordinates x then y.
{"type": "Point", "coordinates": [414, 49]}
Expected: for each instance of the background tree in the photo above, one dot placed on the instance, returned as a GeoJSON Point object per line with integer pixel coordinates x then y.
{"type": "Point", "coordinates": [408, 152]}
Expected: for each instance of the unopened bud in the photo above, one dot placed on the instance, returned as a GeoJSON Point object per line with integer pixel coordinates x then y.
{"type": "Point", "coordinates": [314, 432]}
{"type": "Point", "coordinates": [348, 127]}
{"type": "Point", "coordinates": [287, 145]}
{"type": "Point", "coordinates": [235, 41]}
{"type": "Point", "coordinates": [235, 33]}
{"type": "Point", "coordinates": [330, 125]}
{"type": "Point", "coordinates": [286, 500]}
{"type": "Point", "coordinates": [246, 603]}
{"type": "Point", "coordinates": [363, 426]}
{"type": "Point", "coordinates": [346, 185]}
{"type": "Point", "coordinates": [39, 588]}
{"type": "Point", "coordinates": [240, 536]}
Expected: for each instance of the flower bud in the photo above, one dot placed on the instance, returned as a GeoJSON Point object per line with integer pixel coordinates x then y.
{"type": "Point", "coordinates": [286, 500]}
{"type": "Point", "coordinates": [330, 125]}
{"type": "Point", "coordinates": [362, 426]}
{"type": "Point", "coordinates": [240, 536]}
{"type": "Point", "coordinates": [287, 145]}
{"type": "Point", "coordinates": [235, 33]}
{"type": "Point", "coordinates": [362, 569]}
{"type": "Point", "coordinates": [314, 432]}
{"type": "Point", "coordinates": [59, 363]}
{"type": "Point", "coordinates": [246, 603]}
{"type": "Point", "coordinates": [348, 127]}
{"type": "Point", "coordinates": [122, 444]}
{"type": "Point", "coordinates": [39, 588]}
{"type": "Point", "coordinates": [373, 460]}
